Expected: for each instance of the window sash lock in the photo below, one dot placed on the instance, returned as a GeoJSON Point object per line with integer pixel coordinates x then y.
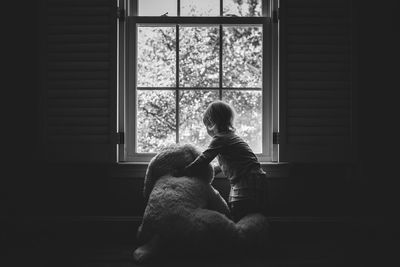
{"type": "Point", "coordinates": [275, 15]}
{"type": "Point", "coordinates": [275, 138]}
{"type": "Point", "coordinates": [120, 13]}
{"type": "Point", "coordinates": [120, 138]}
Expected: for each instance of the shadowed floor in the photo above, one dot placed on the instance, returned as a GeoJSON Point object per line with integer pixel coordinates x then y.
{"type": "Point", "coordinates": [90, 255]}
{"type": "Point", "coordinates": [48, 252]}
{"type": "Point", "coordinates": [294, 245]}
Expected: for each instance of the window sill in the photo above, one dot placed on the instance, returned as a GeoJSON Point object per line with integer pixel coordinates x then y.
{"type": "Point", "coordinates": [137, 170]}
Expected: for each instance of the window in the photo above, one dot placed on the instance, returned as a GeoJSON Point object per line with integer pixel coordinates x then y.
{"type": "Point", "coordinates": [82, 68]}
{"type": "Point", "coordinates": [177, 56]}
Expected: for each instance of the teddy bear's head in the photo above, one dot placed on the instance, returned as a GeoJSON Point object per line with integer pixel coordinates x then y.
{"type": "Point", "coordinates": [169, 160]}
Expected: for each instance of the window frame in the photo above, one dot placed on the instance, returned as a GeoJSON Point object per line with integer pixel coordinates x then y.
{"type": "Point", "coordinates": [127, 47]}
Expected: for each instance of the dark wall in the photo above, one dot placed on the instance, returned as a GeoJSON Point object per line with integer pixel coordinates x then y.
{"type": "Point", "coordinates": [378, 107]}
{"type": "Point", "coordinates": [19, 106]}
{"type": "Point", "coordinates": [367, 187]}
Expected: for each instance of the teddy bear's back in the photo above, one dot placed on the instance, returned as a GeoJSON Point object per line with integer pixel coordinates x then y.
{"type": "Point", "coordinates": [171, 192]}
{"type": "Point", "coordinates": [173, 200]}
{"type": "Point", "coordinates": [177, 209]}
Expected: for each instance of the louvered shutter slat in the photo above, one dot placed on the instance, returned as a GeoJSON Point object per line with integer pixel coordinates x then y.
{"type": "Point", "coordinates": [317, 108]}
{"type": "Point", "coordinates": [80, 90]}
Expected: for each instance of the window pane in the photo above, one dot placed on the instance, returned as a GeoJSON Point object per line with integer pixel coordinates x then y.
{"type": "Point", "coordinates": [192, 105]}
{"type": "Point", "coordinates": [247, 8]}
{"type": "Point", "coordinates": [200, 7]}
{"type": "Point", "coordinates": [156, 64]}
{"type": "Point", "coordinates": [198, 56]}
{"type": "Point", "coordinates": [157, 7]}
{"type": "Point", "coordinates": [248, 122]}
{"type": "Point", "coordinates": [242, 57]}
{"type": "Point", "coordinates": [156, 124]}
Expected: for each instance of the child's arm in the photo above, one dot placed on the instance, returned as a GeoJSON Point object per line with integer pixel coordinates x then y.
{"type": "Point", "coordinates": [203, 160]}
{"type": "Point", "coordinates": [193, 168]}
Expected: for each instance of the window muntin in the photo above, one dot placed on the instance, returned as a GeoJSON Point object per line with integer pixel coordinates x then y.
{"type": "Point", "coordinates": [175, 81]}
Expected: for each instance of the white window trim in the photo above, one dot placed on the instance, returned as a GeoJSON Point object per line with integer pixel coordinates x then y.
{"type": "Point", "coordinates": [126, 121]}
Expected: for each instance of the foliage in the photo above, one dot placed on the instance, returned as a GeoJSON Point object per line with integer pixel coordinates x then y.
{"type": "Point", "coordinates": [158, 122]}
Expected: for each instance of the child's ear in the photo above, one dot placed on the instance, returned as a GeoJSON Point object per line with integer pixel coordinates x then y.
{"type": "Point", "coordinates": [211, 128]}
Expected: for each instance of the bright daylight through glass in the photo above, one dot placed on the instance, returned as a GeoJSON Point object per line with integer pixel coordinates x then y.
{"type": "Point", "coordinates": [201, 77]}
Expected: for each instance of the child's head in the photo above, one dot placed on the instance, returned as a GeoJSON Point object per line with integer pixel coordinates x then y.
{"type": "Point", "coordinates": [219, 117]}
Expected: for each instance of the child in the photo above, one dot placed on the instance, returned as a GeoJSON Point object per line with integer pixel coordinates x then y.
{"type": "Point", "coordinates": [236, 160]}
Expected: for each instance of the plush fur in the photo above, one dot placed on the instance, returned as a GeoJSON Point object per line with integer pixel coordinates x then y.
{"type": "Point", "coordinates": [187, 213]}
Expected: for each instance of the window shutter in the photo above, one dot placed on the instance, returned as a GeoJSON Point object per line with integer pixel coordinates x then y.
{"type": "Point", "coordinates": [80, 71]}
{"type": "Point", "coordinates": [317, 81]}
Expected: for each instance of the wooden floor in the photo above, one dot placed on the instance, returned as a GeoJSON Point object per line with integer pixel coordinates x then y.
{"type": "Point", "coordinates": [120, 256]}
{"type": "Point", "coordinates": [50, 253]}
{"type": "Point", "coordinates": [296, 248]}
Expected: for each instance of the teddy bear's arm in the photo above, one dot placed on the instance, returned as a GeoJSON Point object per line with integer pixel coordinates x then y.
{"type": "Point", "coordinates": [218, 203]}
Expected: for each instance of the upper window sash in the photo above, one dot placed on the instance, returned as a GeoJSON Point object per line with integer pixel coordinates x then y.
{"type": "Point", "coordinates": [201, 20]}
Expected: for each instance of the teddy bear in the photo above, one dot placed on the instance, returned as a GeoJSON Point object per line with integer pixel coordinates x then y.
{"type": "Point", "coordinates": [187, 214]}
